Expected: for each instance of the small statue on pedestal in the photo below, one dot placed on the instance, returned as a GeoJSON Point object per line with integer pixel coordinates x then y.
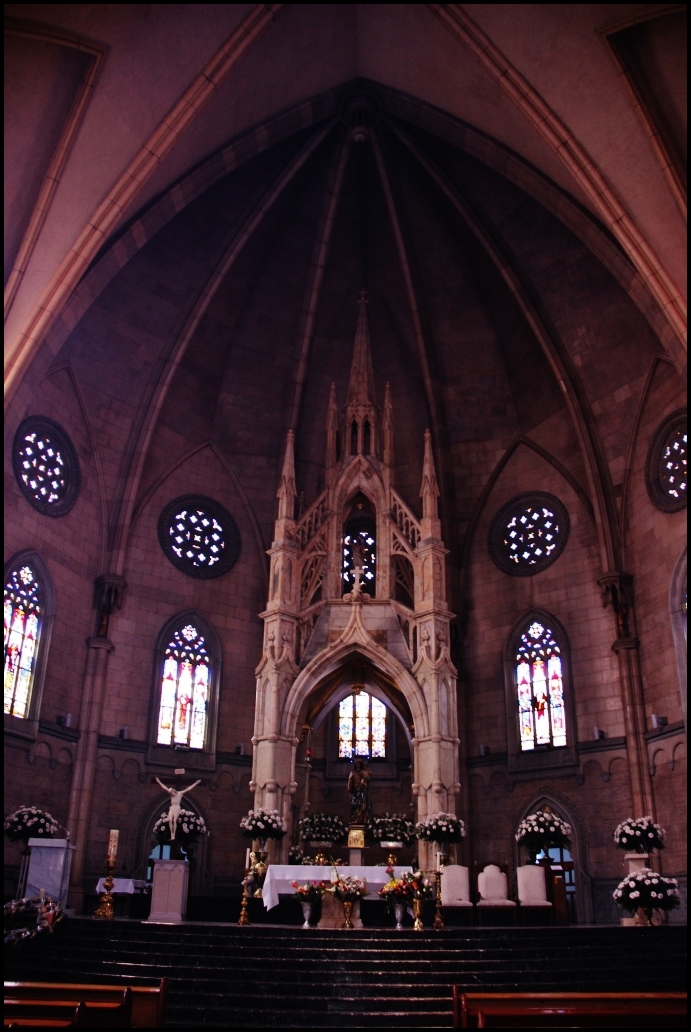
{"type": "Point", "coordinates": [358, 787]}
{"type": "Point", "coordinates": [176, 795]}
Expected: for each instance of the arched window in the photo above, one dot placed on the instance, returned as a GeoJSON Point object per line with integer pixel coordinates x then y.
{"type": "Point", "coordinates": [540, 688]}
{"type": "Point", "coordinates": [28, 615]}
{"type": "Point", "coordinates": [361, 727]}
{"type": "Point", "coordinates": [186, 687]}
{"type": "Point", "coordinates": [359, 543]}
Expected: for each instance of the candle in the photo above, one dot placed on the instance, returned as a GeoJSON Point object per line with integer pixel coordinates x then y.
{"type": "Point", "coordinates": [247, 860]}
{"type": "Point", "coordinates": [113, 844]}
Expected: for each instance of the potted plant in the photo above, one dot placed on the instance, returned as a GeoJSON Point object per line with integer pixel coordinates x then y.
{"type": "Point", "coordinates": [349, 891]}
{"type": "Point", "coordinates": [263, 824]}
{"type": "Point", "coordinates": [308, 893]}
{"type": "Point", "coordinates": [647, 891]}
{"type": "Point", "coordinates": [322, 829]}
{"type": "Point", "coordinates": [639, 835]}
{"type": "Point", "coordinates": [443, 828]}
{"type": "Point", "coordinates": [542, 831]}
{"type": "Point", "coordinates": [392, 831]}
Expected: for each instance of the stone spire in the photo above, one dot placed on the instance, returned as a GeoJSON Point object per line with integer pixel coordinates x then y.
{"type": "Point", "coordinates": [286, 489]}
{"type": "Point", "coordinates": [429, 491]}
{"type": "Point", "coordinates": [388, 426]}
{"type": "Point", "coordinates": [332, 429]}
{"type": "Point", "coordinates": [360, 410]}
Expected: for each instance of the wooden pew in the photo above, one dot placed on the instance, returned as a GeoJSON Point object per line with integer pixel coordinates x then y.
{"type": "Point", "coordinates": [148, 1002]}
{"type": "Point", "coordinates": [568, 1010]}
{"type": "Point", "coordinates": [31, 1013]}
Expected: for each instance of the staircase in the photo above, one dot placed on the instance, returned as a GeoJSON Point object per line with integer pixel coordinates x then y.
{"type": "Point", "coordinates": [225, 976]}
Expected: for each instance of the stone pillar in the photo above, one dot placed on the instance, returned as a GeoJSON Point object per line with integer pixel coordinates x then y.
{"type": "Point", "coordinates": [617, 592]}
{"type": "Point", "coordinates": [82, 792]}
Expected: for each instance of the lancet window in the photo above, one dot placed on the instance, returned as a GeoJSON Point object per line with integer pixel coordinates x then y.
{"type": "Point", "coordinates": [23, 622]}
{"type": "Point", "coordinates": [361, 727]}
{"type": "Point", "coordinates": [185, 685]}
{"type": "Point", "coordinates": [540, 688]}
{"type": "Point", "coordinates": [359, 544]}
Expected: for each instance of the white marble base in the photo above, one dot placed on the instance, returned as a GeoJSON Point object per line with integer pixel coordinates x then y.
{"type": "Point", "coordinates": [169, 892]}
{"type": "Point", "coordinates": [355, 857]}
{"type": "Point", "coordinates": [49, 868]}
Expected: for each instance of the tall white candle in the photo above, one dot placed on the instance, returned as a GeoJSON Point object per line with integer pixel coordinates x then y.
{"type": "Point", "coordinates": [113, 844]}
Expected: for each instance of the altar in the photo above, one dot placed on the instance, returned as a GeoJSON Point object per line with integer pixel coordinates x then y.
{"type": "Point", "coordinates": [280, 877]}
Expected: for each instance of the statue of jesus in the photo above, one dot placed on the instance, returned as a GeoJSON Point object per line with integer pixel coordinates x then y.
{"type": "Point", "coordinates": [358, 787]}
{"type": "Point", "coordinates": [176, 795]}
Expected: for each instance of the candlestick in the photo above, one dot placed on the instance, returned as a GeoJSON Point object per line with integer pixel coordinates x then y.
{"type": "Point", "coordinates": [106, 907]}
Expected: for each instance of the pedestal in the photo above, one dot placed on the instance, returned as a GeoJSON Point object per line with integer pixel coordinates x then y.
{"type": "Point", "coordinates": [49, 868]}
{"type": "Point", "coordinates": [169, 892]}
{"type": "Point", "coordinates": [635, 862]}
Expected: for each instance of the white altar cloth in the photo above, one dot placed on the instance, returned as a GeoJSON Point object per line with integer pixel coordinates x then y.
{"type": "Point", "coordinates": [122, 885]}
{"type": "Point", "coordinates": [280, 877]}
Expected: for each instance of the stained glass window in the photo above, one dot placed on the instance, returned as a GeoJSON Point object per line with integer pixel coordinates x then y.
{"type": "Point", "coordinates": [199, 536]}
{"type": "Point", "coordinates": [184, 690]}
{"type": "Point", "coordinates": [23, 608]}
{"type": "Point", "coordinates": [528, 534]}
{"type": "Point", "coordinates": [540, 688]}
{"type": "Point", "coordinates": [359, 542]}
{"type": "Point", "coordinates": [361, 727]}
{"type": "Point", "coordinates": [46, 466]}
{"type": "Point", "coordinates": [672, 466]}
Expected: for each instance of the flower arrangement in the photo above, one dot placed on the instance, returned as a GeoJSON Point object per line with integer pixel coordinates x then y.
{"type": "Point", "coordinates": [295, 855]}
{"type": "Point", "coordinates": [348, 890]}
{"type": "Point", "coordinates": [639, 836]}
{"type": "Point", "coordinates": [392, 827]}
{"type": "Point", "coordinates": [440, 827]}
{"type": "Point", "coordinates": [188, 829]}
{"type": "Point", "coordinates": [309, 892]}
{"type": "Point", "coordinates": [25, 918]}
{"type": "Point", "coordinates": [29, 822]}
{"type": "Point", "coordinates": [263, 824]}
{"type": "Point", "coordinates": [410, 885]}
{"type": "Point", "coordinates": [647, 890]}
{"type": "Point", "coordinates": [541, 830]}
{"type": "Point", "coordinates": [322, 827]}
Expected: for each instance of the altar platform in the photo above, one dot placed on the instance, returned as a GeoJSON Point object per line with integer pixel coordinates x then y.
{"type": "Point", "coordinates": [223, 976]}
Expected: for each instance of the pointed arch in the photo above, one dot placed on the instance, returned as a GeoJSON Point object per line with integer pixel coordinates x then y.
{"type": "Point", "coordinates": [569, 812]}
{"type": "Point", "coordinates": [540, 714]}
{"type": "Point", "coordinates": [27, 638]}
{"type": "Point", "coordinates": [144, 840]}
{"type": "Point", "coordinates": [183, 712]}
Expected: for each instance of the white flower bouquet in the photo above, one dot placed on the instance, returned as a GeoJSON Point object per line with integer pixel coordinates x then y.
{"type": "Point", "coordinates": [392, 827]}
{"type": "Point", "coordinates": [440, 827]}
{"type": "Point", "coordinates": [263, 824]}
{"type": "Point", "coordinates": [647, 890]}
{"type": "Point", "coordinates": [188, 829]}
{"type": "Point", "coordinates": [322, 827]}
{"type": "Point", "coordinates": [29, 822]}
{"type": "Point", "coordinates": [639, 836]}
{"type": "Point", "coordinates": [348, 890]}
{"type": "Point", "coordinates": [542, 830]}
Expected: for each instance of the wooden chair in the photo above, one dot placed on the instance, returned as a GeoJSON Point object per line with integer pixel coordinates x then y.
{"type": "Point", "coordinates": [455, 886]}
{"type": "Point", "coordinates": [532, 894]}
{"type": "Point", "coordinates": [568, 1010]}
{"type": "Point", "coordinates": [493, 891]}
{"type": "Point", "coordinates": [148, 1002]}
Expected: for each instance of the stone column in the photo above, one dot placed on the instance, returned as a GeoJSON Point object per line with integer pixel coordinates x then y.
{"type": "Point", "coordinates": [617, 592]}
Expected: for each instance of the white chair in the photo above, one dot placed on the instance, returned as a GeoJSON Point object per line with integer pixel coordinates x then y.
{"type": "Point", "coordinates": [455, 886]}
{"type": "Point", "coordinates": [532, 886]}
{"type": "Point", "coordinates": [493, 887]}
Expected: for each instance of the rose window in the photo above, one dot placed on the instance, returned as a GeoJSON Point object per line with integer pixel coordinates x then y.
{"type": "Point", "coordinates": [528, 534]}
{"type": "Point", "coordinates": [199, 536]}
{"type": "Point", "coordinates": [666, 468]}
{"type": "Point", "coordinates": [46, 466]}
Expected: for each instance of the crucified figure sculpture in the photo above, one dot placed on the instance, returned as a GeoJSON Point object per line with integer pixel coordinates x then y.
{"type": "Point", "coordinates": [176, 795]}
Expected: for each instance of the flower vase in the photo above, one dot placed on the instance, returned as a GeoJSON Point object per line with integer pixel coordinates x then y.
{"type": "Point", "coordinates": [417, 915]}
{"type": "Point", "coordinates": [307, 913]}
{"type": "Point", "coordinates": [348, 912]}
{"type": "Point", "coordinates": [258, 868]}
{"type": "Point", "coordinates": [399, 913]}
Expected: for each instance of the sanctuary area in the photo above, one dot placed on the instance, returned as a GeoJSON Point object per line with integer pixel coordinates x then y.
{"type": "Point", "coordinates": [345, 502]}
